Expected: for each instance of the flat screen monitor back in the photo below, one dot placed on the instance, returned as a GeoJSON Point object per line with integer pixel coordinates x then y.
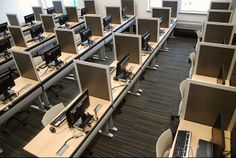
{"type": "Point", "coordinates": [17, 36]}
{"type": "Point", "coordinates": [66, 41]}
{"type": "Point", "coordinates": [164, 13]}
{"type": "Point", "coordinates": [72, 14]}
{"type": "Point", "coordinates": [219, 16]}
{"type": "Point", "coordinates": [96, 80]}
{"type": "Point", "coordinates": [129, 4]}
{"type": "Point", "coordinates": [48, 23]}
{"type": "Point", "coordinates": [150, 25]}
{"type": "Point", "coordinates": [174, 7]}
{"type": "Point", "coordinates": [37, 11]}
{"type": "Point", "coordinates": [58, 6]}
{"type": "Point", "coordinates": [220, 5]}
{"type": "Point", "coordinates": [212, 58]}
{"type": "Point", "coordinates": [115, 13]}
{"type": "Point", "coordinates": [25, 65]}
{"type": "Point", "coordinates": [13, 20]}
{"type": "Point", "coordinates": [221, 34]}
{"type": "Point", "coordinates": [127, 44]}
{"type": "Point", "coordinates": [95, 23]}
{"type": "Point", "coordinates": [90, 7]}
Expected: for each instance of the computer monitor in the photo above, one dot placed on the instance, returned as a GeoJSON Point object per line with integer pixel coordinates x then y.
{"type": "Point", "coordinates": [145, 41]}
{"type": "Point", "coordinates": [77, 109]}
{"type": "Point", "coordinates": [107, 22]}
{"type": "Point", "coordinates": [52, 55]}
{"type": "Point", "coordinates": [51, 10]}
{"type": "Point", "coordinates": [6, 83]}
{"type": "Point", "coordinates": [83, 12]}
{"type": "Point", "coordinates": [218, 137]}
{"type": "Point", "coordinates": [5, 45]}
{"type": "Point", "coordinates": [121, 66]}
{"type": "Point", "coordinates": [29, 19]}
{"type": "Point", "coordinates": [85, 35]}
{"type": "Point", "coordinates": [3, 28]}
{"type": "Point", "coordinates": [37, 31]}
{"type": "Point", "coordinates": [63, 19]}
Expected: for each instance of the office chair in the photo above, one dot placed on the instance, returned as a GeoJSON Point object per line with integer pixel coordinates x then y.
{"type": "Point", "coordinates": [181, 89]}
{"type": "Point", "coordinates": [52, 113]}
{"type": "Point", "coordinates": [164, 144]}
{"type": "Point", "coordinates": [192, 58]}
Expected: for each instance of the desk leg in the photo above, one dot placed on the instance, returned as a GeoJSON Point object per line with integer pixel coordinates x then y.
{"type": "Point", "coordinates": [45, 100]}
{"type": "Point", "coordinates": [40, 104]}
{"type": "Point", "coordinates": [164, 47]}
{"type": "Point", "coordinates": [154, 67]}
{"type": "Point", "coordinates": [105, 130]}
{"type": "Point", "coordinates": [172, 34]}
{"type": "Point", "coordinates": [72, 76]}
{"type": "Point", "coordinates": [136, 90]}
{"type": "Point", "coordinates": [131, 28]}
{"type": "Point", "coordinates": [101, 55]}
{"type": "Point", "coordinates": [111, 125]}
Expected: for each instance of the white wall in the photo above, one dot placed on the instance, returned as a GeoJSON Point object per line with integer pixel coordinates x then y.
{"type": "Point", "coordinates": [19, 7]}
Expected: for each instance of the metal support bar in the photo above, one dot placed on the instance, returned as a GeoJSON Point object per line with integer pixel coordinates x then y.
{"type": "Point", "coordinates": [111, 125]}
{"type": "Point", "coordinates": [105, 130]}
{"type": "Point", "coordinates": [153, 67]}
{"type": "Point", "coordinates": [45, 100]}
{"type": "Point", "coordinates": [164, 47]}
{"type": "Point", "coordinates": [40, 103]}
{"type": "Point", "coordinates": [136, 91]}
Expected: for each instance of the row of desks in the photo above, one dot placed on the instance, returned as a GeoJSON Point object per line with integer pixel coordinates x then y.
{"type": "Point", "coordinates": [40, 147]}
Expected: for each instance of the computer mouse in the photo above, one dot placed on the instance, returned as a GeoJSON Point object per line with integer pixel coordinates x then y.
{"type": "Point", "coordinates": [52, 129]}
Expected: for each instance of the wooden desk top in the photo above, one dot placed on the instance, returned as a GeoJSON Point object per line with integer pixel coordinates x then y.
{"type": "Point", "coordinates": [199, 131]}
{"type": "Point", "coordinates": [208, 79]}
{"type": "Point", "coordinates": [47, 144]}
{"type": "Point", "coordinates": [22, 86]}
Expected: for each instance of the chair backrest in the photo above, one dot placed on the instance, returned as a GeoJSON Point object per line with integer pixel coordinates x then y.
{"type": "Point", "coordinates": [164, 142]}
{"type": "Point", "coordinates": [52, 113]}
{"type": "Point", "coordinates": [192, 58]}
{"type": "Point", "coordinates": [181, 89]}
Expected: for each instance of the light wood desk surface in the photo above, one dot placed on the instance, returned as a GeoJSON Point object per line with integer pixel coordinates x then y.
{"type": "Point", "coordinates": [46, 144]}
{"type": "Point", "coordinates": [199, 131]}
{"type": "Point", "coordinates": [208, 79]}
{"type": "Point", "coordinates": [22, 86]}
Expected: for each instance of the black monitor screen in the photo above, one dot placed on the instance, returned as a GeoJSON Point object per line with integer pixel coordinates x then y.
{"type": "Point", "coordinates": [3, 27]}
{"type": "Point", "coordinates": [85, 34]}
{"type": "Point", "coordinates": [36, 31]}
{"type": "Point", "coordinates": [107, 21]}
{"type": "Point", "coordinates": [63, 19]}
{"type": "Point", "coordinates": [77, 109]}
{"type": "Point", "coordinates": [6, 82]}
{"type": "Point", "coordinates": [51, 10]}
{"type": "Point", "coordinates": [120, 67]}
{"type": "Point", "coordinates": [29, 18]}
{"type": "Point", "coordinates": [4, 45]}
{"type": "Point", "coordinates": [218, 137]}
{"type": "Point", "coordinates": [52, 54]}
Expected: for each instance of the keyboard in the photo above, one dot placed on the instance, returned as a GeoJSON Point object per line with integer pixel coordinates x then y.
{"type": "Point", "coordinates": [58, 121]}
{"type": "Point", "coordinates": [182, 144]}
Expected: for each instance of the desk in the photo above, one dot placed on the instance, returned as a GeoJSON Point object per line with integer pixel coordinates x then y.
{"type": "Point", "coordinates": [199, 131]}
{"type": "Point", "coordinates": [208, 79]}
{"type": "Point", "coordinates": [46, 144]}
{"type": "Point", "coordinates": [27, 27]}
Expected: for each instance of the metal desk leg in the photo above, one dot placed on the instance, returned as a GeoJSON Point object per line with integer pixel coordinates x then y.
{"type": "Point", "coordinates": [154, 67]}
{"type": "Point", "coordinates": [101, 55]}
{"type": "Point", "coordinates": [131, 28]}
{"type": "Point", "coordinates": [72, 76]}
{"type": "Point", "coordinates": [45, 100]}
{"type": "Point", "coordinates": [111, 125]}
{"type": "Point", "coordinates": [105, 130]}
{"type": "Point", "coordinates": [164, 47]}
{"type": "Point", "coordinates": [40, 104]}
{"type": "Point", "coordinates": [172, 35]}
{"type": "Point", "coordinates": [136, 90]}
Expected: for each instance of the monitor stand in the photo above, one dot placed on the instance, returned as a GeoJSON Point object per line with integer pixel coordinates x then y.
{"type": "Point", "coordinates": [58, 63]}
{"type": "Point", "coordinates": [82, 122]}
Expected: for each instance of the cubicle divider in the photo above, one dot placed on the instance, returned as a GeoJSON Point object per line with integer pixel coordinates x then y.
{"type": "Point", "coordinates": [224, 16]}
{"type": "Point", "coordinates": [128, 6]}
{"type": "Point", "coordinates": [90, 7]}
{"type": "Point", "coordinates": [223, 5]}
{"type": "Point", "coordinates": [221, 33]}
{"type": "Point", "coordinates": [95, 78]}
{"type": "Point", "coordinates": [127, 43]}
{"type": "Point", "coordinates": [148, 24]}
{"type": "Point", "coordinates": [17, 36]}
{"type": "Point", "coordinates": [37, 11]}
{"type": "Point", "coordinates": [164, 13]}
{"type": "Point", "coordinates": [48, 23]}
{"type": "Point", "coordinates": [203, 102]}
{"type": "Point", "coordinates": [13, 19]}
{"type": "Point", "coordinates": [115, 13]}
{"type": "Point", "coordinates": [95, 22]}
{"type": "Point", "coordinates": [173, 4]}
{"type": "Point", "coordinates": [72, 14]}
{"type": "Point", "coordinates": [58, 6]}
{"type": "Point", "coordinates": [211, 58]}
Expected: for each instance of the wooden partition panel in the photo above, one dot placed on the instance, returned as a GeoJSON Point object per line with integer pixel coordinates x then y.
{"type": "Point", "coordinates": [164, 13]}
{"type": "Point", "coordinates": [66, 40]}
{"type": "Point", "coordinates": [129, 4]}
{"type": "Point", "coordinates": [218, 33]}
{"type": "Point", "coordinates": [115, 13]}
{"type": "Point", "coordinates": [37, 11]}
{"type": "Point", "coordinates": [89, 7]}
{"type": "Point", "coordinates": [25, 65]}
{"type": "Point", "coordinates": [211, 59]}
{"type": "Point", "coordinates": [173, 5]}
{"type": "Point", "coordinates": [17, 36]}
{"type": "Point", "coordinates": [13, 20]}
{"type": "Point", "coordinates": [220, 5]}
{"type": "Point", "coordinates": [95, 78]}
{"type": "Point", "coordinates": [219, 16]}
{"type": "Point", "coordinates": [58, 6]}
{"type": "Point", "coordinates": [72, 14]}
{"type": "Point", "coordinates": [205, 103]}
{"type": "Point", "coordinates": [151, 25]}
{"type": "Point", "coordinates": [48, 23]}
{"type": "Point", "coordinates": [125, 44]}
{"type": "Point", "coordinates": [95, 22]}
{"type": "Point", "coordinates": [233, 77]}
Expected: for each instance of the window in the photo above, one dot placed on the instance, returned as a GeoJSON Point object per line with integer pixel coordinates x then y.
{"type": "Point", "coordinates": [198, 6]}
{"type": "Point", "coordinates": [154, 3]}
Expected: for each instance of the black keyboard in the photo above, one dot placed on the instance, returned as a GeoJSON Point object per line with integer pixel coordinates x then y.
{"type": "Point", "coordinates": [58, 121]}
{"type": "Point", "coordinates": [182, 144]}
